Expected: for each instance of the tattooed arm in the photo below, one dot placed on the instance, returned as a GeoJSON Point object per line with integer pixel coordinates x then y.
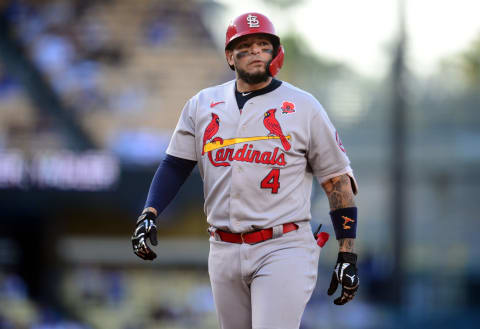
{"type": "Point", "coordinates": [340, 195]}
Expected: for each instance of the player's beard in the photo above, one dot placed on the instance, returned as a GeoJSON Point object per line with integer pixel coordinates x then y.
{"type": "Point", "coordinates": [253, 78]}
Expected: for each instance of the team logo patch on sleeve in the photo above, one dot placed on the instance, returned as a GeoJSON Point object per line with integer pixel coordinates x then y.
{"type": "Point", "coordinates": [288, 107]}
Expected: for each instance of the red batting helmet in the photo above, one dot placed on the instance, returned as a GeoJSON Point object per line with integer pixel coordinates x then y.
{"type": "Point", "coordinates": [251, 23]}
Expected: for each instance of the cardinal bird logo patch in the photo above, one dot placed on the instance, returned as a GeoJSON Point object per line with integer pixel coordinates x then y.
{"type": "Point", "coordinates": [271, 123]}
{"type": "Point", "coordinates": [211, 130]}
{"type": "Point", "coordinates": [288, 107]}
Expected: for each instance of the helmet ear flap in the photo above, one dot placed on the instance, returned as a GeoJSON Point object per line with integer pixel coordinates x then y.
{"type": "Point", "coordinates": [276, 64]}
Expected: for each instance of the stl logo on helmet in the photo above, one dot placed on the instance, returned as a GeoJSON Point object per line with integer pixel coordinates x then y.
{"type": "Point", "coordinates": [252, 21]}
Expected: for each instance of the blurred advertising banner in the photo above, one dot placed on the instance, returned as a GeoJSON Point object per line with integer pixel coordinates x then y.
{"type": "Point", "coordinates": [62, 170]}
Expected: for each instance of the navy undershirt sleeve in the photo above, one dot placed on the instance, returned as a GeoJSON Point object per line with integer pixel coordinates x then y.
{"type": "Point", "coordinates": [170, 176]}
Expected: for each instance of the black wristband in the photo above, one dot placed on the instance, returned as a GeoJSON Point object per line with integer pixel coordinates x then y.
{"type": "Point", "coordinates": [344, 222]}
{"type": "Point", "coordinates": [347, 257]}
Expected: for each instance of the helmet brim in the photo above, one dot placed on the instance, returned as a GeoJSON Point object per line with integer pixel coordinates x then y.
{"type": "Point", "coordinates": [275, 40]}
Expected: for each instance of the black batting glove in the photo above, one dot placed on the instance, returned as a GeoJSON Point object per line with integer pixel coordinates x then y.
{"type": "Point", "coordinates": [345, 273]}
{"type": "Point", "coordinates": [145, 229]}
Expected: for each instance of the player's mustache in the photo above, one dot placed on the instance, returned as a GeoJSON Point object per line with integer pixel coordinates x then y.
{"type": "Point", "coordinates": [256, 60]}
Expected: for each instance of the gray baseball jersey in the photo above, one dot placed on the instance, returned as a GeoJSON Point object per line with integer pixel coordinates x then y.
{"type": "Point", "coordinates": [258, 164]}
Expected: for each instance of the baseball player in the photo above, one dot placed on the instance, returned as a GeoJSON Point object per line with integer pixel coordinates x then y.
{"type": "Point", "coordinates": [258, 143]}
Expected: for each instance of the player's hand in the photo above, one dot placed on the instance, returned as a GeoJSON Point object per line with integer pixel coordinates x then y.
{"type": "Point", "coordinates": [345, 273]}
{"type": "Point", "coordinates": [145, 229]}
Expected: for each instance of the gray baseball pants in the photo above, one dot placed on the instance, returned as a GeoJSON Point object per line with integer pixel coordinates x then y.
{"type": "Point", "coordinates": [266, 285]}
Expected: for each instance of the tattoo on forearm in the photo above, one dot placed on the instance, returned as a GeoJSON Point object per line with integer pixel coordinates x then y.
{"type": "Point", "coordinates": [346, 245]}
{"type": "Point", "coordinates": [339, 192]}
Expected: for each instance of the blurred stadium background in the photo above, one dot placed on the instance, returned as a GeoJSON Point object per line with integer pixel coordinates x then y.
{"type": "Point", "coordinates": [90, 92]}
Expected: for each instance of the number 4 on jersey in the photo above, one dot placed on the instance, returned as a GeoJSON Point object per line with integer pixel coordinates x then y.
{"type": "Point", "coordinates": [271, 181]}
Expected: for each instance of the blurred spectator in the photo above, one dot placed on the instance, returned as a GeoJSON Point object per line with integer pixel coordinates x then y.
{"type": "Point", "coordinates": [201, 299]}
{"type": "Point", "coordinates": [8, 85]}
{"type": "Point", "coordinates": [129, 99]}
{"type": "Point", "coordinates": [12, 287]}
{"type": "Point", "coordinates": [158, 32]}
{"type": "Point", "coordinates": [90, 284]}
{"type": "Point", "coordinates": [159, 28]}
{"type": "Point", "coordinates": [53, 53]}
{"type": "Point", "coordinates": [50, 318]}
{"type": "Point", "coordinates": [5, 323]}
{"type": "Point", "coordinates": [115, 287]}
{"type": "Point", "coordinates": [68, 44]}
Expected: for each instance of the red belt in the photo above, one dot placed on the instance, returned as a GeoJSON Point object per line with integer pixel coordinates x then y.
{"type": "Point", "coordinates": [252, 237]}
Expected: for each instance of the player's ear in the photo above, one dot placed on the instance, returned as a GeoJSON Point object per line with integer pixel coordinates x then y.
{"type": "Point", "coordinates": [229, 56]}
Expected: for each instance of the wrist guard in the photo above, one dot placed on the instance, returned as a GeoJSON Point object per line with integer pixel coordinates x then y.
{"type": "Point", "coordinates": [344, 222]}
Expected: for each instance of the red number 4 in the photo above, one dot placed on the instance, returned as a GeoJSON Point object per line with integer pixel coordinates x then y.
{"type": "Point", "coordinates": [271, 181]}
